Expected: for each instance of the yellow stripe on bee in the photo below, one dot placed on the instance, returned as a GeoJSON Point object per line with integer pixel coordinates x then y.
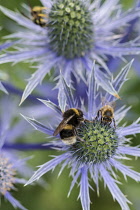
{"type": "Point", "coordinates": [75, 110]}
{"type": "Point", "coordinates": [42, 15]}
{"type": "Point", "coordinates": [38, 8]}
{"type": "Point", "coordinates": [70, 127]}
{"type": "Point", "coordinates": [43, 20]}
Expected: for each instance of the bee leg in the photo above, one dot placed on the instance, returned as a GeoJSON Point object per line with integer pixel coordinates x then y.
{"type": "Point", "coordinates": [75, 133]}
{"type": "Point", "coordinates": [85, 120]}
{"type": "Point", "coordinates": [98, 114]}
{"type": "Point", "coordinates": [114, 123]}
{"type": "Point", "coordinates": [101, 120]}
{"type": "Point", "coordinates": [80, 138]}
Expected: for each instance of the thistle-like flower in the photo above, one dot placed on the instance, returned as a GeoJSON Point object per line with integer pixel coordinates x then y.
{"type": "Point", "coordinates": [100, 146]}
{"type": "Point", "coordinates": [10, 167]}
{"type": "Point", "coordinates": [73, 34]}
{"type": "Point", "coordinates": [8, 178]}
{"type": "Point", "coordinates": [13, 169]}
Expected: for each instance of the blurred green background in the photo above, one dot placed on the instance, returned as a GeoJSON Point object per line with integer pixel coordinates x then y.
{"type": "Point", "coordinates": [54, 197]}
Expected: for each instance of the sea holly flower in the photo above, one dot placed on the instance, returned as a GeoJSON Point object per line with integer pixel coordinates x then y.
{"type": "Point", "coordinates": [101, 147]}
{"type": "Point", "coordinates": [76, 33]}
{"type": "Point", "coordinates": [11, 166]}
{"type": "Point", "coordinates": [13, 169]}
{"type": "Point", "coordinates": [8, 178]}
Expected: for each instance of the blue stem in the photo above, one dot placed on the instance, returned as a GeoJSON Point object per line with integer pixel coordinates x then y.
{"type": "Point", "coordinates": [29, 146]}
{"type": "Point", "coordinates": [33, 97]}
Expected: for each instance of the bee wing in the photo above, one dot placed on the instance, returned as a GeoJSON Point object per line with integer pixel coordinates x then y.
{"type": "Point", "coordinates": [103, 100]}
{"type": "Point", "coordinates": [62, 125]}
{"type": "Point", "coordinates": [111, 103]}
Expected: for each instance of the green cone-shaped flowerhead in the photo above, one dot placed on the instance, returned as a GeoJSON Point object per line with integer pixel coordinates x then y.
{"type": "Point", "coordinates": [70, 28]}
{"type": "Point", "coordinates": [99, 142]}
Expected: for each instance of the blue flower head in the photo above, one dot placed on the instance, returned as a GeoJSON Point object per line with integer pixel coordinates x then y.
{"type": "Point", "coordinates": [13, 169]}
{"type": "Point", "coordinates": [100, 146]}
{"type": "Point", "coordinates": [73, 34]}
{"type": "Point", "coordinates": [9, 169]}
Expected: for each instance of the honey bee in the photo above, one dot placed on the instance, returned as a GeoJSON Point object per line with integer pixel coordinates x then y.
{"type": "Point", "coordinates": [67, 128]}
{"type": "Point", "coordinates": [39, 16]}
{"type": "Point", "coordinates": [107, 113]}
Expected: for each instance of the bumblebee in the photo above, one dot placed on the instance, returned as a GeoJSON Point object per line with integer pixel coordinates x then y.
{"type": "Point", "coordinates": [107, 114]}
{"type": "Point", "coordinates": [67, 128]}
{"type": "Point", "coordinates": [39, 16]}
